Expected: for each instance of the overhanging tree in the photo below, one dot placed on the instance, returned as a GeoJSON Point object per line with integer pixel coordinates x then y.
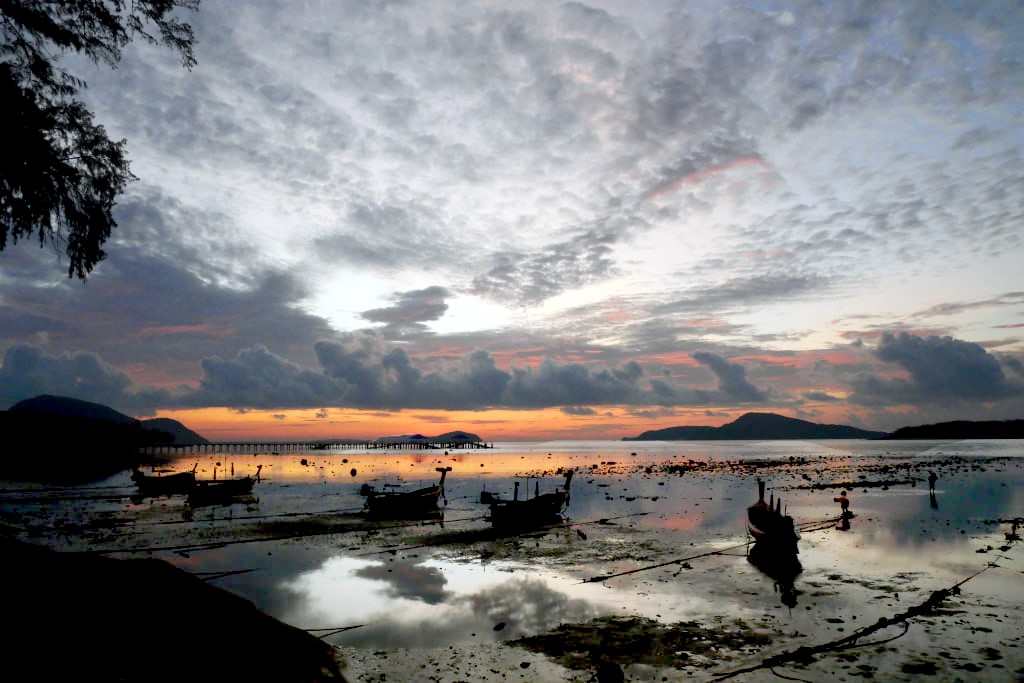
{"type": "Point", "coordinates": [60, 174]}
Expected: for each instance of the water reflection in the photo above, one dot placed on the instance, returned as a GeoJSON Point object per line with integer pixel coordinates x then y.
{"type": "Point", "coordinates": [409, 580]}
{"type": "Point", "coordinates": [426, 603]}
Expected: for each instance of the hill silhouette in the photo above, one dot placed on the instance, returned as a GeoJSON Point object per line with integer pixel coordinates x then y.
{"type": "Point", "coordinates": [758, 426]}
{"type": "Point", "coordinates": [963, 429]}
{"type": "Point", "coordinates": [63, 406]}
{"type": "Point", "coordinates": [56, 438]}
{"type": "Point", "coordinates": [181, 435]}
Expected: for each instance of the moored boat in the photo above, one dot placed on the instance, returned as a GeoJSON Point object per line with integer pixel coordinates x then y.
{"type": "Point", "coordinates": [180, 482]}
{"type": "Point", "coordinates": [215, 492]}
{"type": "Point", "coordinates": [406, 504]}
{"type": "Point", "coordinates": [541, 509]}
{"type": "Point", "coordinates": [775, 544]}
{"type": "Point", "coordinates": [766, 523]}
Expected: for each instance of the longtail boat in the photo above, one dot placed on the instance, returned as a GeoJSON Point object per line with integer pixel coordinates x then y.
{"type": "Point", "coordinates": [406, 504]}
{"type": "Point", "coordinates": [180, 482]}
{"type": "Point", "coordinates": [540, 509]}
{"type": "Point", "coordinates": [216, 492]}
{"type": "Point", "coordinates": [768, 524]}
{"type": "Point", "coordinates": [775, 544]}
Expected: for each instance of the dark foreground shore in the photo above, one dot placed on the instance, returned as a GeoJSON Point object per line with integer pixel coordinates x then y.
{"type": "Point", "coordinates": [78, 616]}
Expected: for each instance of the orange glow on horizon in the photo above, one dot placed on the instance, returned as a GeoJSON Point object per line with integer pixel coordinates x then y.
{"type": "Point", "coordinates": [498, 424]}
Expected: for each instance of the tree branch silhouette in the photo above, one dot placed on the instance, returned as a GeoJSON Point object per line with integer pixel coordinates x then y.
{"type": "Point", "coordinates": [60, 173]}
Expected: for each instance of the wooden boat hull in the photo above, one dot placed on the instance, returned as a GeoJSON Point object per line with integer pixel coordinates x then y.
{"type": "Point", "coordinates": [403, 505]}
{"type": "Point", "coordinates": [182, 482]}
{"type": "Point", "coordinates": [535, 511]}
{"type": "Point", "coordinates": [215, 492]}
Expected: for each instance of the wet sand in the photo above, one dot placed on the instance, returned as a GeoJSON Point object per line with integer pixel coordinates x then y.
{"type": "Point", "coordinates": [451, 600]}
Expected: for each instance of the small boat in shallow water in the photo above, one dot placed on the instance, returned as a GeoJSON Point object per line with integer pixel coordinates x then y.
{"type": "Point", "coordinates": [539, 510]}
{"type": "Point", "coordinates": [767, 524]}
{"type": "Point", "coordinates": [214, 492]}
{"type": "Point", "coordinates": [775, 546]}
{"type": "Point", "coordinates": [180, 482]}
{"type": "Point", "coordinates": [406, 504]}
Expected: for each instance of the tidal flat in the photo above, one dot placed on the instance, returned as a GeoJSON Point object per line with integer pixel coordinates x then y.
{"type": "Point", "coordinates": [646, 577]}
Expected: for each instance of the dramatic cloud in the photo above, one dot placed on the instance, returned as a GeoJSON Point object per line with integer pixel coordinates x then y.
{"type": "Point", "coordinates": [410, 310]}
{"type": "Point", "coordinates": [28, 371]}
{"type": "Point", "coordinates": [732, 379]}
{"type": "Point", "coordinates": [940, 369]}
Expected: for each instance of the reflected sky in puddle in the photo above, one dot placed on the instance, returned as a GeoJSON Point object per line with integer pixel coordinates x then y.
{"type": "Point", "coordinates": [430, 603]}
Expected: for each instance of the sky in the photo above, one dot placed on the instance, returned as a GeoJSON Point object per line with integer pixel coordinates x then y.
{"type": "Point", "coordinates": [548, 220]}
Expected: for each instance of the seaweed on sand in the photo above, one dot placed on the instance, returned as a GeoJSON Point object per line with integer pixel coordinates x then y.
{"type": "Point", "coordinates": [637, 640]}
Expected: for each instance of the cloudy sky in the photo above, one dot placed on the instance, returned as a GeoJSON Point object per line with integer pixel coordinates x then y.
{"type": "Point", "coordinates": [539, 220]}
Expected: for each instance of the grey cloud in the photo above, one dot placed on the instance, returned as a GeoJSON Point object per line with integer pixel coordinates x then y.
{"type": "Point", "coordinates": [29, 371]}
{"type": "Point", "coordinates": [258, 378]}
{"type": "Point", "coordinates": [941, 369]}
{"type": "Point", "coordinates": [578, 410]}
{"type": "Point", "coordinates": [743, 292]}
{"type": "Point", "coordinates": [732, 379]}
{"type": "Point", "coordinates": [164, 298]}
{"type": "Point", "coordinates": [820, 396]}
{"type": "Point", "coordinates": [410, 310]}
{"type": "Point", "coordinates": [529, 278]}
{"type": "Point", "coordinates": [952, 308]}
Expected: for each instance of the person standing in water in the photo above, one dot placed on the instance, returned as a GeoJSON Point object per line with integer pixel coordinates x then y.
{"type": "Point", "coordinates": [844, 503]}
{"type": "Point", "coordinates": [932, 478]}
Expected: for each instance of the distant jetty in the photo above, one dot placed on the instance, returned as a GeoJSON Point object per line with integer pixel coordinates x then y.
{"type": "Point", "coordinates": [962, 429]}
{"type": "Point", "coordinates": [767, 426]}
{"type": "Point", "coordinates": [447, 441]}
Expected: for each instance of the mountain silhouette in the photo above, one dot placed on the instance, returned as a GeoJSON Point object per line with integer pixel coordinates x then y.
{"type": "Point", "coordinates": [758, 426]}
{"type": "Point", "coordinates": [963, 429]}
{"type": "Point", "coordinates": [63, 406]}
{"type": "Point", "coordinates": [56, 438]}
{"type": "Point", "coordinates": [182, 435]}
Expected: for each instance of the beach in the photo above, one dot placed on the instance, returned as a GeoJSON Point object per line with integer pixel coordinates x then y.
{"type": "Point", "coordinates": [647, 573]}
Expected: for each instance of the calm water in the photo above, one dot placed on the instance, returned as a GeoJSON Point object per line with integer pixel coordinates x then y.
{"type": "Point", "coordinates": [453, 593]}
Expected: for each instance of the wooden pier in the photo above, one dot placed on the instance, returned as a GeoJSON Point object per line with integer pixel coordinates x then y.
{"type": "Point", "coordinates": [318, 446]}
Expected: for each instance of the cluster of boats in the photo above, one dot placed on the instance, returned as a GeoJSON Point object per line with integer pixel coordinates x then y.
{"type": "Point", "coordinates": [200, 492]}
{"type": "Point", "coordinates": [384, 503]}
{"type": "Point", "coordinates": [541, 509]}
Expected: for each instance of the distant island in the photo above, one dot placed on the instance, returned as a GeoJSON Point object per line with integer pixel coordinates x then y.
{"type": "Point", "coordinates": [963, 429]}
{"type": "Point", "coordinates": [758, 426]}
{"type": "Point", "coordinates": [456, 438]}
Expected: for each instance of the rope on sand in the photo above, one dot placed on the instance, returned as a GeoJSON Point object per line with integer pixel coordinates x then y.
{"type": "Point", "coordinates": [805, 653]}
{"type": "Point", "coordinates": [806, 527]}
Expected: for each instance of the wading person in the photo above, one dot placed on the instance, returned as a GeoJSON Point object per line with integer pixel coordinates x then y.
{"type": "Point", "coordinates": [932, 478]}
{"type": "Point", "coordinates": [844, 504]}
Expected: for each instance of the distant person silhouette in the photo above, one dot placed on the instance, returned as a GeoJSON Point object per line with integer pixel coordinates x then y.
{"type": "Point", "coordinates": [932, 478]}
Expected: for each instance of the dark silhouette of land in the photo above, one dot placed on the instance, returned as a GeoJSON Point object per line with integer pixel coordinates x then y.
{"type": "Point", "coordinates": [963, 429]}
{"type": "Point", "coordinates": [180, 434]}
{"type": "Point", "coordinates": [142, 620]}
{"type": "Point", "coordinates": [59, 438]}
{"type": "Point", "coordinates": [758, 426]}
